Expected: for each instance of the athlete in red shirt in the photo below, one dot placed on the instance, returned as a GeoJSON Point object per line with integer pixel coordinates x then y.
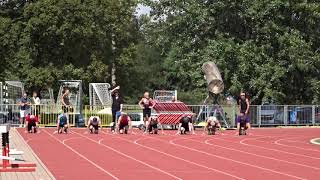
{"type": "Point", "coordinates": [124, 123]}
{"type": "Point", "coordinates": [32, 123]}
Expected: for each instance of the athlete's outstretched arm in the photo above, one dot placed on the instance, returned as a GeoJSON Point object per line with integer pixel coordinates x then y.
{"type": "Point", "coordinates": [248, 106]}
{"type": "Point", "coordinates": [141, 103]}
{"type": "Point", "coordinates": [130, 124]}
{"type": "Point", "coordinates": [58, 122]}
{"type": "Point", "coordinates": [88, 126]}
{"type": "Point", "coordinates": [161, 127]}
{"type": "Point", "coordinates": [118, 124]}
{"type": "Point", "coordinates": [179, 127]}
{"type": "Point", "coordinates": [99, 123]}
{"type": "Point", "coordinates": [191, 128]}
{"type": "Point", "coordinates": [116, 88]}
{"type": "Point", "coordinates": [152, 102]}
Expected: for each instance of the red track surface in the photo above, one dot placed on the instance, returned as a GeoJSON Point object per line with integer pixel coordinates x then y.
{"type": "Point", "coordinates": [264, 154]}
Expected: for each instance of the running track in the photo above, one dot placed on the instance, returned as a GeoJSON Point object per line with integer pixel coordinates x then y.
{"type": "Point", "coordinates": [264, 154]}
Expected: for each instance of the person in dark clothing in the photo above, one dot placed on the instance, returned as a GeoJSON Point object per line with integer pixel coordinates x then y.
{"type": "Point", "coordinates": [153, 125]}
{"type": "Point", "coordinates": [117, 104]}
{"type": "Point", "coordinates": [65, 101]}
{"type": "Point", "coordinates": [146, 103]}
{"type": "Point", "coordinates": [185, 125]}
{"type": "Point", "coordinates": [63, 123]}
{"type": "Point", "coordinates": [244, 104]}
{"type": "Point", "coordinates": [243, 124]}
{"type": "Point", "coordinates": [24, 105]}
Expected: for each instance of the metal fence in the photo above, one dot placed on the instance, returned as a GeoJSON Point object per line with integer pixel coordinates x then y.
{"type": "Point", "coordinates": [48, 114]}
{"type": "Point", "coordinates": [104, 113]}
{"type": "Point", "coordinates": [260, 116]}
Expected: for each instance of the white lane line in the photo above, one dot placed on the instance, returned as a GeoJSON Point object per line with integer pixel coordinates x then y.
{"type": "Point", "coordinates": [266, 157]}
{"type": "Point", "coordinates": [170, 155]}
{"type": "Point", "coordinates": [239, 162]}
{"type": "Point", "coordinates": [185, 160]}
{"type": "Point", "coordinates": [314, 141]}
{"type": "Point", "coordinates": [271, 149]}
{"type": "Point", "coordinates": [82, 156]}
{"type": "Point", "coordinates": [305, 149]}
{"type": "Point", "coordinates": [130, 157]}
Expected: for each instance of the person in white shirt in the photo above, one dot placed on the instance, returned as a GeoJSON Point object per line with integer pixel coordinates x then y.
{"type": "Point", "coordinates": [94, 123]}
{"type": "Point", "coordinates": [36, 104]}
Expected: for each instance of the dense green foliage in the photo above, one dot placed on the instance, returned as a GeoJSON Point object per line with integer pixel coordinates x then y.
{"type": "Point", "coordinates": [268, 48]}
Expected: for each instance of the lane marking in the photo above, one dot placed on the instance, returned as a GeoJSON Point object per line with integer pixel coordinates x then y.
{"type": "Point", "coordinates": [314, 141]}
{"type": "Point", "coordinates": [239, 162]}
{"type": "Point", "coordinates": [82, 156]}
{"type": "Point", "coordinates": [275, 159]}
{"type": "Point", "coordinates": [170, 155]}
{"type": "Point", "coordinates": [280, 144]}
{"type": "Point", "coordinates": [130, 157]}
{"type": "Point", "coordinates": [271, 149]}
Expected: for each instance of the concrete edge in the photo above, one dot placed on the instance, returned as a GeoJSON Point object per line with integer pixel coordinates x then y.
{"type": "Point", "coordinates": [36, 156]}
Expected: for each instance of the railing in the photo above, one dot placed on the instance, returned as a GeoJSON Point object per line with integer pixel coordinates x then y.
{"type": "Point", "coordinates": [48, 114]}
{"type": "Point", "coordinates": [269, 115]}
{"type": "Point", "coordinates": [260, 116]}
{"type": "Point", "coordinates": [104, 113]}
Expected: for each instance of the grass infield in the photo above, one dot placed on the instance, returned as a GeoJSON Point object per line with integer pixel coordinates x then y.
{"type": "Point", "coordinates": [315, 141]}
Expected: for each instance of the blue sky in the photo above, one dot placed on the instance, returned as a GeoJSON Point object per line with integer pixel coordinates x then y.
{"type": "Point", "coordinates": [141, 9]}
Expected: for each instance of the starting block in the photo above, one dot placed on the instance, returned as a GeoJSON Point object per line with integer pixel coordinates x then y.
{"type": "Point", "coordinates": [6, 166]}
{"type": "Point", "coordinates": [4, 128]}
{"type": "Point", "coordinates": [14, 152]}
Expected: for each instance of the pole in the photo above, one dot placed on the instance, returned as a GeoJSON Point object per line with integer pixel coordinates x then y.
{"type": "Point", "coordinates": [5, 150]}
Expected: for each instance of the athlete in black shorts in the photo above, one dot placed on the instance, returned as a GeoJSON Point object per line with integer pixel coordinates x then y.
{"type": "Point", "coordinates": [94, 124]}
{"type": "Point", "coordinates": [116, 107]}
{"type": "Point", "coordinates": [185, 125]}
{"type": "Point", "coordinates": [146, 103]}
{"type": "Point", "coordinates": [153, 125]}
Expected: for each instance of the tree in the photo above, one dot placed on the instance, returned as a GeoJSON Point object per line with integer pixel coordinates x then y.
{"type": "Point", "coordinates": [46, 40]}
{"type": "Point", "coordinates": [268, 48]}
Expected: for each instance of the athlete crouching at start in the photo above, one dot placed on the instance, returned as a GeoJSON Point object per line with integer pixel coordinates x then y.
{"type": "Point", "coordinates": [94, 124]}
{"type": "Point", "coordinates": [153, 125]}
{"type": "Point", "coordinates": [243, 124]}
{"type": "Point", "coordinates": [124, 123]}
{"type": "Point", "coordinates": [212, 125]}
{"type": "Point", "coordinates": [185, 125]}
{"type": "Point", "coordinates": [63, 123]}
{"type": "Point", "coordinates": [32, 123]}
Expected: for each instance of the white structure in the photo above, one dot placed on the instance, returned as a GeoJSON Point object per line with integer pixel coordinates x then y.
{"type": "Point", "coordinates": [99, 94]}
{"type": "Point", "coordinates": [12, 92]}
{"type": "Point", "coordinates": [47, 96]}
{"type": "Point", "coordinates": [165, 95]}
{"type": "Point", "coordinates": [75, 88]}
